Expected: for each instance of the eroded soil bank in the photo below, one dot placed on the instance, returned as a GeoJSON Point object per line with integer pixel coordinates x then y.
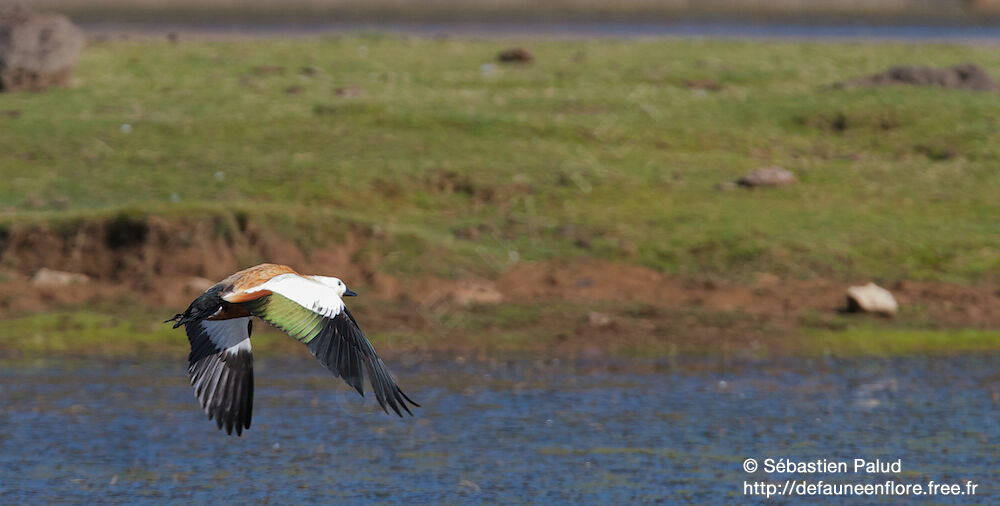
{"type": "Point", "coordinates": [579, 306]}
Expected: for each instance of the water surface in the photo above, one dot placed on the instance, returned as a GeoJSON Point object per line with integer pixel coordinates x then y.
{"type": "Point", "coordinates": [513, 431]}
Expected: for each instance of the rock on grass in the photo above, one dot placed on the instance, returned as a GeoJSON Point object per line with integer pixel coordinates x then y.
{"type": "Point", "coordinates": [967, 76]}
{"type": "Point", "coordinates": [52, 277]}
{"type": "Point", "coordinates": [871, 298]}
{"type": "Point", "coordinates": [37, 50]}
{"type": "Point", "coordinates": [768, 176]}
{"type": "Point", "coordinates": [515, 55]}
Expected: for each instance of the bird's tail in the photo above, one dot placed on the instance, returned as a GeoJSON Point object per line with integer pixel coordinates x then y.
{"type": "Point", "coordinates": [204, 306]}
{"type": "Point", "coordinates": [179, 318]}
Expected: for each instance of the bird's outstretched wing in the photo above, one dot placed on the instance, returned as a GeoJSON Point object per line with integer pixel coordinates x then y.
{"type": "Point", "coordinates": [315, 315]}
{"type": "Point", "coordinates": [221, 369]}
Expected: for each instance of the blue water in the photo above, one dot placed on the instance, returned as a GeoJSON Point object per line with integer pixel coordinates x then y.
{"type": "Point", "coordinates": [515, 431]}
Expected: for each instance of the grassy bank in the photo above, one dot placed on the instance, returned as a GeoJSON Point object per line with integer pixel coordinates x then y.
{"type": "Point", "coordinates": [609, 150]}
{"type": "Point", "coordinates": [597, 149]}
{"type": "Point", "coordinates": [558, 331]}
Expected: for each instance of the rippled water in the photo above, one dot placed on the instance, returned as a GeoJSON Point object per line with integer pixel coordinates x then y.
{"type": "Point", "coordinates": [508, 431]}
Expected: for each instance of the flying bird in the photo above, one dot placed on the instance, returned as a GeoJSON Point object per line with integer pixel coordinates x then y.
{"type": "Point", "coordinates": [308, 308]}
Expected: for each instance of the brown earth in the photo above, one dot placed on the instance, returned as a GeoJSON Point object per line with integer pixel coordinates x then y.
{"type": "Point", "coordinates": [586, 306]}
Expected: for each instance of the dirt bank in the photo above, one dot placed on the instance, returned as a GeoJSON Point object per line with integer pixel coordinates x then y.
{"type": "Point", "coordinates": [585, 305]}
{"type": "Point", "coordinates": [151, 258]}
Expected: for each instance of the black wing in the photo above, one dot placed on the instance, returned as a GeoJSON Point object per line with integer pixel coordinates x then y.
{"type": "Point", "coordinates": [221, 369]}
{"type": "Point", "coordinates": [338, 343]}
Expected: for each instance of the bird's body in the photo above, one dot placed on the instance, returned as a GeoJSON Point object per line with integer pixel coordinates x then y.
{"type": "Point", "coordinates": [309, 308]}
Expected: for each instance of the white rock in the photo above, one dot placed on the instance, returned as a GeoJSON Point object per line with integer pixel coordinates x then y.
{"type": "Point", "coordinates": [768, 176]}
{"type": "Point", "coordinates": [477, 292]}
{"type": "Point", "coordinates": [871, 298]}
{"type": "Point", "coordinates": [599, 320]}
{"type": "Point", "coordinates": [52, 277]}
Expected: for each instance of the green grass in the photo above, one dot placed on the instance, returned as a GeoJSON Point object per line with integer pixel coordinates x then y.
{"type": "Point", "coordinates": [110, 330]}
{"type": "Point", "coordinates": [874, 341]}
{"type": "Point", "coordinates": [86, 332]}
{"type": "Point", "coordinates": [597, 149]}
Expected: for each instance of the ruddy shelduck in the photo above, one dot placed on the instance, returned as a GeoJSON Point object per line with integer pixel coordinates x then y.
{"type": "Point", "coordinates": [308, 308]}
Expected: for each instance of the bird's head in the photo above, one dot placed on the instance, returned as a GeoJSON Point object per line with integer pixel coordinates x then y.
{"type": "Point", "coordinates": [336, 284]}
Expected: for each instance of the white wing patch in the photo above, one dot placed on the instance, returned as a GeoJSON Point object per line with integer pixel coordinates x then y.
{"type": "Point", "coordinates": [231, 335]}
{"type": "Point", "coordinates": [308, 293]}
{"type": "Point", "coordinates": [243, 345]}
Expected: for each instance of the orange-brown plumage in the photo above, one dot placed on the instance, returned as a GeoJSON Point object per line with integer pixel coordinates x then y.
{"type": "Point", "coordinates": [256, 275]}
{"type": "Point", "coordinates": [249, 278]}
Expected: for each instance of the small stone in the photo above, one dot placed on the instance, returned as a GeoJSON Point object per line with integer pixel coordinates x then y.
{"type": "Point", "coordinates": [52, 277]}
{"type": "Point", "coordinates": [349, 91]}
{"type": "Point", "coordinates": [871, 298]}
{"type": "Point", "coordinates": [703, 84]}
{"type": "Point", "coordinates": [515, 55]}
{"type": "Point", "coordinates": [599, 320]}
{"type": "Point", "coordinates": [267, 70]}
{"type": "Point", "coordinates": [468, 233]}
{"type": "Point", "coordinates": [477, 292]}
{"type": "Point", "coordinates": [768, 176]}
